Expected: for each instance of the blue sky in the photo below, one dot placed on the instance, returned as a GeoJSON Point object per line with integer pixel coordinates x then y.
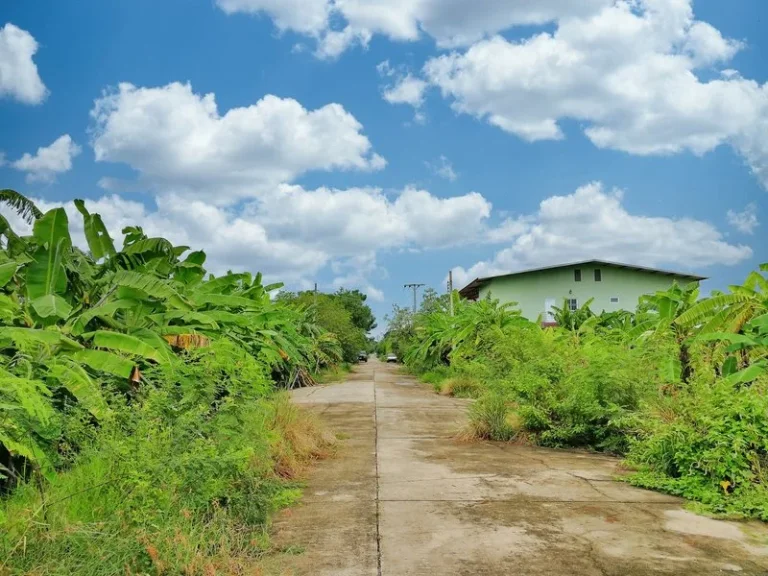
{"type": "Point", "coordinates": [370, 143]}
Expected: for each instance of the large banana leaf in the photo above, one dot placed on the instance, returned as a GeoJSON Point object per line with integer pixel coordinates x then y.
{"type": "Point", "coordinates": [102, 311]}
{"type": "Point", "coordinates": [127, 344]}
{"type": "Point", "coordinates": [157, 342]}
{"type": "Point", "coordinates": [217, 285]}
{"type": "Point", "coordinates": [75, 379]}
{"type": "Point", "coordinates": [46, 274]}
{"type": "Point", "coordinates": [99, 242]}
{"type": "Point", "coordinates": [102, 361]}
{"type": "Point", "coordinates": [151, 286]}
{"type": "Point", "coordinates": [51, 305]}
{"type": "Point", "coordinates": [7, 270]}
{"type": "Point", "coordinates": [223, 300]}
{"type": "Point", "coordinates": [23, 206]}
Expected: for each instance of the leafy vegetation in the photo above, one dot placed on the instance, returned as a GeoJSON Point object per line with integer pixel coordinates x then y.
{"type": "Point", "coordinates": [344, 314]}
{"type": "Point", "coordinates": [677, 387]}
{"type": "Point", "coordinates": [142, 427]}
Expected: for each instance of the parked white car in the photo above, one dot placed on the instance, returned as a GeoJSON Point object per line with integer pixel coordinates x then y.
{"type": "Point", "coordinates": [391, 358]}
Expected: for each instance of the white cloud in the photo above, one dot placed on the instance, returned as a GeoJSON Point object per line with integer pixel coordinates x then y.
{"type": "Point", "coordinates": [627, 69]}
{"type": "Point", "coordinates": [355, 272]}
{"type": "Point", "coordinates": [363, 220]}
{"type": "Point", "coordinates": [178, 142]}
{"type": "Point", "coordinates": [293, 233]}
{"type": "Point", "coordinates": [449, 22]}
{"type": "Point", "coordinates": [443, 168]}
{"type": "Point", "coordinates": [745, 221]}
{"type": "Point", "coordinates": [593, 223]}
{"type": "Point", "coordinates": [305, 16]}
{"type": "Point", "coordinates": [49, 161]}
{"type": "Point", "coordinates": [628, 72]}
{"type": "Point", "coordinates": [407, 90]}
{"type": "Point", "coordinates": [230, 240]}
{"type": "Point", "coordinates": [19, 78]}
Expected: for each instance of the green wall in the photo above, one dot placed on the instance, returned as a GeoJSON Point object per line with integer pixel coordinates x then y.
{"type": "Point", "coordinates": [531, 290]}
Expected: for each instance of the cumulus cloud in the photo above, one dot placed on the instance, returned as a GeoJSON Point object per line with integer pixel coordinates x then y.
{"type": "Point", "coordinates": [49, 161]}
{"type": "Point", "coordinates": [178, 141]}
{"type": "Point", "coordinates": [407, 90]}
{"type": "Point", "coordinates": [745, 221]}
{"type": "Point", "coordinates": [363, 220]}
{"type": "Point", "coordinates": [293, 233]}
{"type": "Point", "coordinates": [628, 72]}
{"type": "Point", "coordinates": [19, 78]}
{"type": "Point", "coordinates": [404, 88]}
{"type": "Point", "coordinates": [593, 223]}
{"type": "Point", "coordinates": [304, 16]}
{"type": "Point", "coordinates": [339, 24]}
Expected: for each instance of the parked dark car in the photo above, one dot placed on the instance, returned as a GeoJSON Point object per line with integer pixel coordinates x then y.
{"type": "Point", "coordinates": [362, 357]}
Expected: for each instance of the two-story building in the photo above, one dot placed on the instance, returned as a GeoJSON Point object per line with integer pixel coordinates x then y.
{"type": "Point", "coordinates": [613, 286]}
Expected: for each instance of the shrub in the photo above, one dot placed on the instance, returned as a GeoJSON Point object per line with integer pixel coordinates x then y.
{"type": "Point", "coordinates": [183, 480]}
{"type": "Point", "coordinates": [709, 444]}
{"type": "Point", "coordinates": [461, 387]}
{"type": "Point", "coordinates": [492, 418]}
{"type": "Point", "coordinates": [436, 376]}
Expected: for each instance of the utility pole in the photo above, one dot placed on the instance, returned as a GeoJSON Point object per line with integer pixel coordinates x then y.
{"type": "Point", "coordinates": [314, 303]}
{"type": "Point", "coordinates": [415, 288]}
{"type": "Point", "coordinates": [450, 291]}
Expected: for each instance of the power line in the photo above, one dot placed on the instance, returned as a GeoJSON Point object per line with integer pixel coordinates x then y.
{"type": "Point", "coordinates": [415, 288]}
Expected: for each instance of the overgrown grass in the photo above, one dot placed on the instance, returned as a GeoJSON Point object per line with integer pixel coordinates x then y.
{"type": "Point", "coordinates": [492, 418]}
{"type": "Point", "coordinates": [461, 387]}
{"type": "Point", "coordinates": [183, 480]}
{"type": "Point", "coordinates": [332, 374]}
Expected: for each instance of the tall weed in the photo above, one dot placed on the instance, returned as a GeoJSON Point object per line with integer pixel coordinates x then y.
{"type": "Point", "coordinates": [182, 481]}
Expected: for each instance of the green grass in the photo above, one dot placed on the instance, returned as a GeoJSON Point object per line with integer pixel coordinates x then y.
{"type": "Point", "coordinates": [334, 374]}
{"type": "Point", "coordinates": [184, 481]}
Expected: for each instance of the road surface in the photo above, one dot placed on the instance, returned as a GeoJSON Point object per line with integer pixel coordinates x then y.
{"type": "Point", "coordinates": [403, 497]}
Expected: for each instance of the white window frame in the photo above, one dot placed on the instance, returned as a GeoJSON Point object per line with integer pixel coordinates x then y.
{"type": "Point", "coordinates": [573, 304]}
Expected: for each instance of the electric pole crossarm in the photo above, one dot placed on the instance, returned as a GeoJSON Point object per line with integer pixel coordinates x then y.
{"type": "Point", "coordinates": [415, 288]}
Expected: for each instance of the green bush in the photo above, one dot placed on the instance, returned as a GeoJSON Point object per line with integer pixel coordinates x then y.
{"type": "Point", "coordinates": [182, 480]}
{"type": "Point", "coordinates": [709, 444]}
{"type": "Point", "coordinates": [461, 387]}
{"type": "Point", "coordinates": [436, 376]}
{"type": "Point", "coordinates": [491, 417]}
{"type": "Point", "coordinates": [679, 387]}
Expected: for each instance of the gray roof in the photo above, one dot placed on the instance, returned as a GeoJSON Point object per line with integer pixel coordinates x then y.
{"type": "Point", "coordinates": [478, 282]}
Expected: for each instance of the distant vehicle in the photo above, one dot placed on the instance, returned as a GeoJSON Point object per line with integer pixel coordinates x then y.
{"type": "Point", "coordinates": [391, 358]}
{"type": "Point", "coordinates": [362, 357]}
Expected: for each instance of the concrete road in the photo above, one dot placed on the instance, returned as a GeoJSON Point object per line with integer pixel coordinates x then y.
{"type": "Point", "coordinates": [404, 498]}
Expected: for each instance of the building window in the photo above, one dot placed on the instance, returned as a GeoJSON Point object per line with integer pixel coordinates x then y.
{"type": "Point", "coordinates": [614, 299]}
{"type": "Point", "coordinates": [598, 275]}
{"type": "Point", "coordinates": [577, 275]}
{"type": "Point", "coordinates": [573, 304]}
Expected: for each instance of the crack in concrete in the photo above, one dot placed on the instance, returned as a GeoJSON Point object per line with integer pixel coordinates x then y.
{"type": "Point", "coordinates": [525, 501]}
{"type": "Point", "coordinates": [440, 479]}
{"type": "Point", "coordinates": [376, 457]}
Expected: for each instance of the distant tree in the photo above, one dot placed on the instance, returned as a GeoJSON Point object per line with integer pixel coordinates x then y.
{"type": "Point", "coordinates": [329, 312]}
{"type": "Point", "coordinates": [432, 302]}
{"type": "Point", "coordinates": [361, 313]}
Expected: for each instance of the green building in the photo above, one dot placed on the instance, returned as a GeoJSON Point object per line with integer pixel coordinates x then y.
{"type": "Point", "coordinates": [613, 286]}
